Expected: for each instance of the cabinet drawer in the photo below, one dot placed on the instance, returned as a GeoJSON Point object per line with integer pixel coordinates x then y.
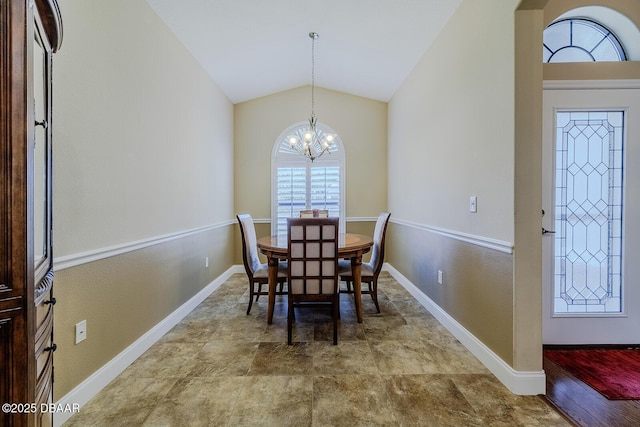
{"type": "Point", "coordinates": [44, 341]}
{"type": "Point", "coordinates": [43, 311]}
{"type": "Point", "coordinates": [44, 383]}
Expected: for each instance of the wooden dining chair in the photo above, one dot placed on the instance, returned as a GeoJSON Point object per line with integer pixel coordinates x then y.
{"type": "Point", "coordinates": [312, 271]}
{"type": "Point", "coordinates": [314, 213]}
{"type": "Point", "coordinates": [257, 272]}
{"type": "Point", "coordinates": [371, 270]}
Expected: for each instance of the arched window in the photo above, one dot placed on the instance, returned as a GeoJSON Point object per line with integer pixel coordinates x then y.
{"type": "Point", "coordinates": [580, 40]}
{"type": "Point", "coordinates": [298, 184]}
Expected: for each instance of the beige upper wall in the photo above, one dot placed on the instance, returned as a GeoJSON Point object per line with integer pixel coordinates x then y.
{"type": "Point", "coordinates": [451, 136]}
{"type": "Point", "coordinates": [451, 127]}
{"type": "Point", "coordinates": [360, 122]}
{"type": "Point", "coordinates": [143, 138]}
{"type": "Point", "coordinates": [143, 145]}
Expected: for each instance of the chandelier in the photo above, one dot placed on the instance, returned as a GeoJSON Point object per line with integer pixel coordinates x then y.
{"type": "Point", "coordinates": [312, 142]}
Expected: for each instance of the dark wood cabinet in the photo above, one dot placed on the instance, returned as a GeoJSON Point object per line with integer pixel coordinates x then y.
{"type": "Point", "coordinates": [30, 33]}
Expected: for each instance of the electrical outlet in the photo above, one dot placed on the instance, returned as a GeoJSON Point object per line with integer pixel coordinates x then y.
{"type": "Point", "coordinates": [440, 277]}
{"type": "Point", "coordinates": [81, 331]}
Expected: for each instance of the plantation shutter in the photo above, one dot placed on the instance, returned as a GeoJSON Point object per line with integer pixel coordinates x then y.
{"type": "Point", "coordinates": [325, 189]}
{"type": "Point", "coordinates": [291, 194]}
{"type": "Point", "coordinates": [308, 187]}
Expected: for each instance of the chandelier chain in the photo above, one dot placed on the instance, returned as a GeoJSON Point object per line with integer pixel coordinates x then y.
{"type": "Point", "coordinates": [313, 67]}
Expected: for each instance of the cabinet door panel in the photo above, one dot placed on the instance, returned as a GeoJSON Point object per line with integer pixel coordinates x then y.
{"type": "Point", "coordinates": [30, 31]}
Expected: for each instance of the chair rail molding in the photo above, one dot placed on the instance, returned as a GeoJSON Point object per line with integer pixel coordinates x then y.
{"type": "Point", "coordinates": [485, 242]}
{"type": "Point", "coordinates": [73, 260]}
{"type": "Point", "coordinates": [76, 259]}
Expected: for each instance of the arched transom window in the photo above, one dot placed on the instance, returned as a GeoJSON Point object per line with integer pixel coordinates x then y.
{"type": "Point", "coordinates": [580, 40]}
{"type": "Point", "coordinates": [298, 184]}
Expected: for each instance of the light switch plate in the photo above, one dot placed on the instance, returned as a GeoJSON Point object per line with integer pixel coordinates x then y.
{"type": "Point", "coordinates": [473, 204]}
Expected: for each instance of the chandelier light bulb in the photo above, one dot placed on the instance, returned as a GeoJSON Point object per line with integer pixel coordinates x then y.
{"type": "Point", "coordinates": [292, 140]}
{"type": "Point", "coordinates": [308, 135]}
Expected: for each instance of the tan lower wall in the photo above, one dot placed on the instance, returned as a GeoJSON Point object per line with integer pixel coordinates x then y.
{"type": "Point", "coordinates": [124, 296]}
{"type": "Point", "coordinates": [478, 282]}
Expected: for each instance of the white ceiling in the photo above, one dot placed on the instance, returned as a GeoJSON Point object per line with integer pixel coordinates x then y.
{"type": "Point", "coordinates": [253, 48]}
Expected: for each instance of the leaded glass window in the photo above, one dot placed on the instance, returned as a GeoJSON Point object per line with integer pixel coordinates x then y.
{"type": "Point", "coordinates": [588, 212]}
{"type": "Point", "coordinates": [580, 40]}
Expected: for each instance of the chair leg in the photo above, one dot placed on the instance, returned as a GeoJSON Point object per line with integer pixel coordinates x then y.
{"type": "Point", "coordinates": [250, 297]}
{"type": "Point", "coordinates": [289, 323]}
{"type": "Point", "coordinates": [259, 291]}
{"type": "Point", "coordinates": [374, 293]}
{"type": "Point", "coordinates": [335, 316]}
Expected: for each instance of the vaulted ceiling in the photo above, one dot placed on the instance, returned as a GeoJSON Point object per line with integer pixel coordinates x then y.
{"type": "Point", "coordinates": [253, 48]}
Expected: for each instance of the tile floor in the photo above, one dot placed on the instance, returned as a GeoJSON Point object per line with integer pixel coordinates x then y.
{"type": "Point", "coordinates": [220, 367]}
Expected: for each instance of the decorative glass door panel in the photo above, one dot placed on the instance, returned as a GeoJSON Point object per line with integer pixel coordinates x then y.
{"type": "Point", "coordinates": [40, 153]}
{"type": "Point", "coordinates": [588, 212]}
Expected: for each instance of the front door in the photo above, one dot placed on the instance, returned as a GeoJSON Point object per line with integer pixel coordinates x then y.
{"type": "Point", "coordinates": [591, 216]}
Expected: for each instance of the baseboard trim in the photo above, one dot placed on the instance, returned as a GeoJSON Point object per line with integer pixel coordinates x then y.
{"type": "Point", "coordinates": [518, 382]}
{"type": "Point", "coordinates": [86, 390]}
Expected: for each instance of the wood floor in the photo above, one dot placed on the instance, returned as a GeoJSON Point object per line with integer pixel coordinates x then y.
{"type": "Point", "coordinates": [584, 406]}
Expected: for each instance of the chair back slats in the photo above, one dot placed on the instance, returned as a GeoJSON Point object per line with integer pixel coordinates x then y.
{"type": "Point", "coordinates": [312, 269]}
{"type": "Point", "coordinates": [313, 255]}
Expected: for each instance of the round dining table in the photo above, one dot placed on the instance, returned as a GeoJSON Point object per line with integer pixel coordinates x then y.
{"type": "Point", "coordinates": [350, 246]}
